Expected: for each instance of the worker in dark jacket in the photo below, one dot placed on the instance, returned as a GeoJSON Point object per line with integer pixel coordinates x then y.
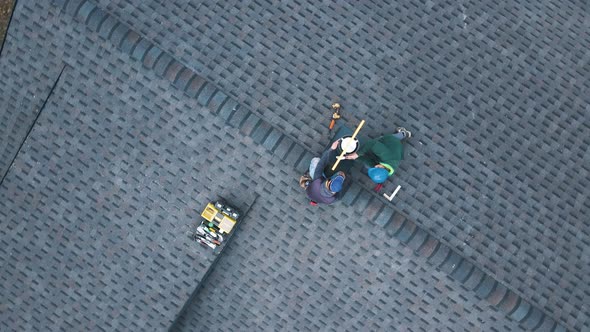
{"type": "Point", "coordinates": [382, 156]}
{"type": "Point", "coordinates": [322, 189]}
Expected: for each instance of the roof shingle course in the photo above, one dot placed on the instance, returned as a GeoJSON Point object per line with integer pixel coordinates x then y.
{"type": "Point", "coordinates": [464, 189]}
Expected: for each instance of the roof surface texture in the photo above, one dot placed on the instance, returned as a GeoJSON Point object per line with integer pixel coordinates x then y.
{"type": "Point", "coordinates": [120, 120]}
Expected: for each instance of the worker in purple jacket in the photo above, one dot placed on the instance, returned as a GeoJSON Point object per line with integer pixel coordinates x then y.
{"type": "Point", "coordinates": [323, 190]}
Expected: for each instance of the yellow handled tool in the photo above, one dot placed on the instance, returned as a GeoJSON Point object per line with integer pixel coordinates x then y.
{"type": "Point", "coordinates": [341, 156]}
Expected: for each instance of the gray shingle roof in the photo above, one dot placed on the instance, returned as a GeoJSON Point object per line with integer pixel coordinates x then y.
{"type": "Point", "coordinates": [493, 92]}
{"type": "Point", "coordinates": [159, 108]}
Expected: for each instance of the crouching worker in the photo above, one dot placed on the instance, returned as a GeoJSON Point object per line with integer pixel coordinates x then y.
{"type": "Point", "coordinates": [326, 190]}
{"type": "Point", "coordinates": [382, 156]}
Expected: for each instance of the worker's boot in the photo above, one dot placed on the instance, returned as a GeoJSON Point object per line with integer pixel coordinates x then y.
{"type": "Point", "coordinates": [407, 134]}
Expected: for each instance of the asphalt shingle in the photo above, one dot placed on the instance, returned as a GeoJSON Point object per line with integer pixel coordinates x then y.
{"type": "Point", "coordinates": [493, 92]}
{"type": "Point", "coordinates": [453, 63]}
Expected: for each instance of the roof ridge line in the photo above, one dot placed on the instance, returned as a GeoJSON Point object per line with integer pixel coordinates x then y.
{"type": "Point", "coordinates": [286, 148]}
{"type": "Point", "coordinates": [472, 277]}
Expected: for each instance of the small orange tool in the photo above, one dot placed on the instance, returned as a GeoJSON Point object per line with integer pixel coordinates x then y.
{"type": "Point", "coordinates": [335, 116]}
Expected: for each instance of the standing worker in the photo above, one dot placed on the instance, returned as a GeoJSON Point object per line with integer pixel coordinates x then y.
{"type": "Point", "coordinates": [322, 189]}
{"type": "Point", "coordinates": [382, 156]}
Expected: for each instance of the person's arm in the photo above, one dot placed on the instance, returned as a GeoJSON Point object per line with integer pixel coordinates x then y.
{"type": "Point", "coordinates": [365, 159]}
{"type": "Point", "coordinates": [345, 186]}
{"type": "Point", "coordinates": [325, 159]}
{"type": "Point", "coordinates": [364, 154]}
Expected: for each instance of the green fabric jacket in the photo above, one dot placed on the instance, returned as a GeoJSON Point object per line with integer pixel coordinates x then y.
{"type": "Point", "coordinates": [383, 150]}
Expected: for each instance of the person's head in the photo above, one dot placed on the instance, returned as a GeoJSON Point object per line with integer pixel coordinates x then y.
{"type": "Point", "coordinates": [333, 185]}
{"type": "Point", "coordinates": [378, 173]}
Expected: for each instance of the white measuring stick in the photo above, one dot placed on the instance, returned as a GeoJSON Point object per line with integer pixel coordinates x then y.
{"type": "Point", "coordinates": [389, 198]}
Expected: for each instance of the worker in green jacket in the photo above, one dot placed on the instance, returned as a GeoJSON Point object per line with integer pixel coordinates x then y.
{"type": "Point", "coordinates": [382, 156]}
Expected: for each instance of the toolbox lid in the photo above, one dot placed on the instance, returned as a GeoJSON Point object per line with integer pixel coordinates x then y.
{"type": "Point", "coordinates": [226, 224]}
{"type": "Point", "coordinates": [209, 212]}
